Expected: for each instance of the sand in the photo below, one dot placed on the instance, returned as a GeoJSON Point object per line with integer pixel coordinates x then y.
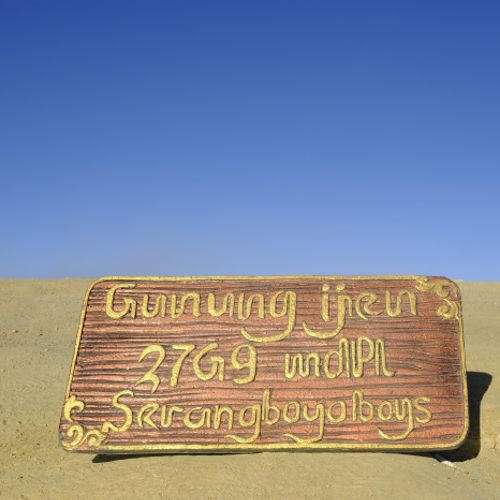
{"type": "Point", "coordinates": [38, 323]}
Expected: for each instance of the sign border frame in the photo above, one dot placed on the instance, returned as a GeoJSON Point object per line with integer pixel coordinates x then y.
{"type": "Point", "coordinates": [251, 447]}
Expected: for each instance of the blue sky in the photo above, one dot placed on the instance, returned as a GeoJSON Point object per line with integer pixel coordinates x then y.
{"type": "Point", "coordinates": [276, 137]}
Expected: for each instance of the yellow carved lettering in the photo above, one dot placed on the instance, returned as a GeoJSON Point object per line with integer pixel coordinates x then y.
{"type": "Point", "coordinates": [227, 305]}
{"type": "Point", "coordinates": [176, 369]}
{"type": "Point", "coordinates": [203, 421]}
{"type": "Point", "coordinates": [342, 309]}
{"type": "Point", "coordinates": [289, 307]}
{"type": "Point", "coordinates": [177, 312]}
{"type": "Point", "coordinates": [254, 420]}
{"type": "Point", "coordinates": [129, 305]}
{"type": "Point", "coordinates": [302, 364]}
{"type": "Point", "coordinates": [167, 417]}
{"type": "Point", "coordinates": [150, 375]}
{"type": "Point", "coordinates": [145, 414]}
{"type": "Point", "coordinates": [393, 312]}
{"type": "Point", "coordinates": [108, 426]}
{"type": "Point", "coordinates": [216, 366]}
{"type": "Point", "coordinates": [250, 364]}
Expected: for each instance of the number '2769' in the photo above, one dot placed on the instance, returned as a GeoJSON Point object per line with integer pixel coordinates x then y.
{"type": "Point", "coordinates": [207, 365]}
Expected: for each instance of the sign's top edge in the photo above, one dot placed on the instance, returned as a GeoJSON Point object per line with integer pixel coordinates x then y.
{"type": "Point", "coordinates": [272, 277]}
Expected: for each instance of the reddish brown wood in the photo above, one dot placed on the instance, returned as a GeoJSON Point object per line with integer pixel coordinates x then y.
{"type": "Point", "coordinates": [425, 350]}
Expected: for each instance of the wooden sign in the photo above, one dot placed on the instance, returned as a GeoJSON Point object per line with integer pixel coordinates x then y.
{"type": "Point", "coordinates": [218, 364]}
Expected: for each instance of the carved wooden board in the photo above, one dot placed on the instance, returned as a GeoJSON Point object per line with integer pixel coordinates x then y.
{"type": "Point", "coordinates": [267, 363]}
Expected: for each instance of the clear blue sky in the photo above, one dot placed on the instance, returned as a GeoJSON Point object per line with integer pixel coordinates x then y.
{"type": "Point", "coordinates": [274, 137]}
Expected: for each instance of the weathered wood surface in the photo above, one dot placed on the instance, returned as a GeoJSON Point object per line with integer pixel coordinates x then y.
{"type": "Point", "coordinates": [381, 377]}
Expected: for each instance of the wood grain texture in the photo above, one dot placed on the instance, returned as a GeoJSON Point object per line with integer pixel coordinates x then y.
{"type": "Point", "coordinates": [420, 374]}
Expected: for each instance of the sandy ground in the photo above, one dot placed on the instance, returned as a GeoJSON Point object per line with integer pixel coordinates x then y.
{"type": "Point", "coordinates": [38, 323]}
